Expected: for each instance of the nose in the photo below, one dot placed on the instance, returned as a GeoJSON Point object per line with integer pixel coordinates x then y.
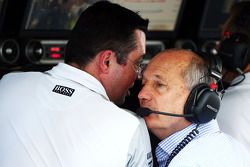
{"type": "Point", "coordinates": [144, 94]}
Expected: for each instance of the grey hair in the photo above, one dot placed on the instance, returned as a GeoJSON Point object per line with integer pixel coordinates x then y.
{"type": "Point", "coordinates": [196, 72]}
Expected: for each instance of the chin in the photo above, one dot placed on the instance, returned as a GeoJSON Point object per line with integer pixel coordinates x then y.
{"type": "Point", "coordinates": [120, 101]}
{"type": "Point", "coordinates": [150, 122]}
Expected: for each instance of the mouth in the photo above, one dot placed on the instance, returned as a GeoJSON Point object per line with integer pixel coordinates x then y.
{"type": "Point", "coordinates": [147, 106]}
{"type": "Point", "coordinates": [144, 104]}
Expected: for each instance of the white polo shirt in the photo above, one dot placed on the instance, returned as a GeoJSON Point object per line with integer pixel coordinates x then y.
{"type": "Point", "coordinates": [234, 114]}
{"type": "Point", "coordinates": [63, 117]}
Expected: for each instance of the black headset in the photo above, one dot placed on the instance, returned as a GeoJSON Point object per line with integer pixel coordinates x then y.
{"type": "Point", "coordinates": [203, 101]}
{"type": "Point", "coordinates": [235, 51]}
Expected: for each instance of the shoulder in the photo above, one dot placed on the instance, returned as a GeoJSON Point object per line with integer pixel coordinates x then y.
{"type": "Point", "coordinates": [18, 76]}
{"type": "Point", "coordinates": [139, 153]}
{"type": "Point", "coordinates": [128, 115]}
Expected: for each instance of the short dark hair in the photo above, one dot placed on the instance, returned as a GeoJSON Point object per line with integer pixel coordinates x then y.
{"type": "Point", "coordinates": [104, 26]}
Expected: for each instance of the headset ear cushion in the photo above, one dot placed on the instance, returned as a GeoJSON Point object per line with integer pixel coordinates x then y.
{"type": "Point", "coordinates": [203, 103]}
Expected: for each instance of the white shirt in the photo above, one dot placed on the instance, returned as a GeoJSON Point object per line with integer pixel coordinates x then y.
{"type": "Point", "coordinates": [64, 118]}
{"type": "Point", "coordinates": [210, 148]}
{"type": "Point", "coordinates": [234, 114]}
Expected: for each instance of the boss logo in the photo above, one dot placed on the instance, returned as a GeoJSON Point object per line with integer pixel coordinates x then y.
{"type": "Point", "coordinates": [63, 90]}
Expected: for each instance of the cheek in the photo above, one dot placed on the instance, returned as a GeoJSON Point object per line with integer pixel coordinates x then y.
{"type": "Point", "coordinates": [178, 105]}
{"type": "Point", "coordinates": [124, 81]}
{"type": "Point", "coordinates": [164, 102]}
{"type": "Point", "coordinates": [132, 77]}
{"type": "Point", "coordinates": [172, 101]}
{"type": "Point", "coordinates": [129, 75]}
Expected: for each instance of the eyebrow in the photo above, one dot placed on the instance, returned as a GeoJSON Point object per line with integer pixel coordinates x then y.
{"type": "Point", "coordinates": [159, 77]}
{"type": "Point", "coordinates": [157, 74]}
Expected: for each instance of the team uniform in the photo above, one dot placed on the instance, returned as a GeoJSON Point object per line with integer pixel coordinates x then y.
{"type": "Point", "coordinates": [234, 117]}
{"type": "Point", "coordinates": [67, 120]}
{"type": "Point", "coordinates": [202, 150]}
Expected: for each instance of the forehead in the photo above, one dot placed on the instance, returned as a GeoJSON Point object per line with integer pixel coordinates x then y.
{"type": "Point", "coordinates": [166, 66]}
{"type": "Point", "coordinates": [160, 72]}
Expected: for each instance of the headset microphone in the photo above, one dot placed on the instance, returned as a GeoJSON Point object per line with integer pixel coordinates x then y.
{"type": "Point", "coordinates": [146, 111]}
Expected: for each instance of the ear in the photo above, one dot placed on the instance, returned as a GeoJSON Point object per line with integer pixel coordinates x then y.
{"type": "Point", "coordinates": [105, 60]}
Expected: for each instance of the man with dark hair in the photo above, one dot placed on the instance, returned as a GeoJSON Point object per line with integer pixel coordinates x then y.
{"type": "Point", "coordinates": [234, 117]}
{"type": "Point", "coordinates": [67, 116]}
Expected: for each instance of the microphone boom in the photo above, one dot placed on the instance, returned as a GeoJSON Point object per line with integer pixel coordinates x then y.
{"type": "Point", "coordinates": [143, 112]}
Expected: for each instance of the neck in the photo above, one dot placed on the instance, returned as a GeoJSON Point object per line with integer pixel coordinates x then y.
{"type": "Point", "coordinates": [165, 132]}
{"type": "Point", "coordinates": [89, 68]}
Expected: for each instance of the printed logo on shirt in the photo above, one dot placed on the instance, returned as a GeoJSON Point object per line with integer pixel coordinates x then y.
{"type": "Point", "coordinates": [63, 90]}
{"type": "Point", "coordinates": [150, 159]}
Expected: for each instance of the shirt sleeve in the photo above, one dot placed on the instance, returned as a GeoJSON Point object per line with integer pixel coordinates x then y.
{"type": "Point", "coordinates": [139, 153]}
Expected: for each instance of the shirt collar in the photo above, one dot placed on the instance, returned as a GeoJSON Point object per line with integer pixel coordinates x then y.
{"type": "Point", "coordinates": [166, 146]}
{"type": "Point", "coordinates": [76, 75]}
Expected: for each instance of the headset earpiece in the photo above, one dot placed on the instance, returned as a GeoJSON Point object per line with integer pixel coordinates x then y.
{"type": "Point", "coordinates": [203, 103]}
{"type": "Point", "coordinates": [234, 51]}
{"type": "Point", "coordinates": [214, 64]}
{"type": "Point", "coordinates": [215, 67]}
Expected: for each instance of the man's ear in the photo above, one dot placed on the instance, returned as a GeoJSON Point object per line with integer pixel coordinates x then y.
{"type": "Point", "coordinates": [105, 60]}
